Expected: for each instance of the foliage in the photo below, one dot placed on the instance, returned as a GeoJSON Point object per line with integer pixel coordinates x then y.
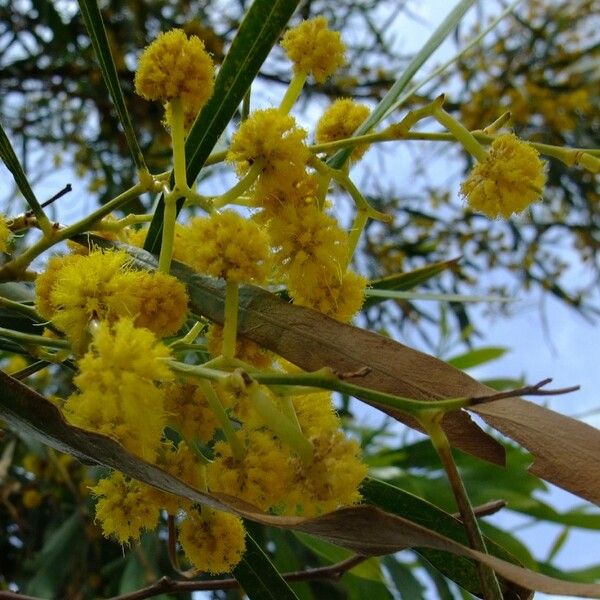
{"type": "Point", "coordinates": [147, 367]}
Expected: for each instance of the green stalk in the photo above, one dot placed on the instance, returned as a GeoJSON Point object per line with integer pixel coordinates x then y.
{"type": "Point", "coordinates": [360, 220]}
{"type": "Point", "coordinates": [231, 318]}
{"type": "Point", "coordinates": [461, 133]}
{"type": "Point", "coordinates": [431, 422]}
{"type": "Point", "coordinates": [240, 187]}
{"type": "Point", "coordinates": [293, 92]}
{"type": "Point", "coordinates": [30, 339]}
{"type": "Point", "coordinates": [237, 447]}
{"type": "Point", "coordinates": [285, 429]}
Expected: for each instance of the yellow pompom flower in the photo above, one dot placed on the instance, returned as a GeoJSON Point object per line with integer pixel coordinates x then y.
{"type": "Point", "coordinates": [183, 463]}
{"type": "Point", "coordinates": [245, 349]}
{"type": "Point", "coordinates": [261, 478]}
{"type": "Point", "coordinates": [213, 541]}
{"type": "Point", "coordinates": [314, 49]}
{"type": "Point", "coordinates": [306, 238]}
{"type": "Point", "coordinates": [316, 413]}
{"type": "Point", "coordinates": [76, 289]}
{"type": "Point", "coordinates": [175, 66]}
{"type": "Point", "coordinates": [271, 137]}
{"type": "Point", "coordinates": [272, 195]}
{"type": "Point", "coordinates": [188, 412]}
{"type": "Point", "coordinates": [162, 299]}
{"type": "Point", "coordinates": [4, 234]}
{"type": "Point", "coordinates": [508, 180]}
{"type": "Point", "coordinates": [124, 507]}
{"type": "Point", "coordinates": [117, 383]}
{"type": "Point", "coordinates": [229, 246]}
{"type": "Point", "coordinates": [331, 480]}
{"type": "Point", "coordinates": [337, 297]}
{"type": "Point", "coordinates": [340, 121]}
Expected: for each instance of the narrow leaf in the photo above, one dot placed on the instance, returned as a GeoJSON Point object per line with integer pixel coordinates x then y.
{"type": "Point", "coordinates": [430, 46]}
{"type": "Point", "coordinates": [8, 156]}
{"type": "Point", "coordinates": [259, 578]}
{"type": "Point", "coordinates": [477, 357]}
{"type": "Point", "coordinates": [565, 450]}
{"type": "Point", "coordinates": [95, 28]}
{"type": "Point", "coordinates": [407, 281]}
{"type": "Point", "coordinates": [27, 411]}
{"type": "Point", "coordinates": [257, 34]}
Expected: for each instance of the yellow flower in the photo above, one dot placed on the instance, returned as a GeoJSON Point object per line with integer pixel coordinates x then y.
{"type": "Point", "coordinates": [188, 412]}
{"type": "Point", "coordinates": [272, 138]}
{"type": "Point", "coordinates": [174, 66]}
{"type": "Point", "coordinates": [229, 246]}
{"type": "Point", "coordinates": [305, 237]}
{"type": "Point", "coordinates": [117, 384]}
{"type": "Point", "coordinates": [183, 463]}
{"type": "Point", "coordinates": [314, 49]}
{"type": "Point", "coordinates": [340, 121]}
{"type": "Point", "coordinates": [214, 541]}
{"type": "Point", "coordinates": [261, 478]}
{"type": "Point", "coordinates": [124, 507]}
{"type": "Point", "coordinates": [77, 289]}
{"type": "Point", "coordinates": [4, 234]}
{"type": "Point", "coordinates": [339, 297]}
{"type": "Point", "coordinates": [315, 413]}
{"type": "Point", "coordinates": [162, 301]}
{"type": "Point", "coordinates": [273, 194]}
{"type": "Point", "coordinates": [508, 180]}
{"type": "Point", "coordinates": [331, 480]}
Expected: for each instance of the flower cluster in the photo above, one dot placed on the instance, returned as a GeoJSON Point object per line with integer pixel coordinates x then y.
{"type": "Point", "coordinates": [508, 180]}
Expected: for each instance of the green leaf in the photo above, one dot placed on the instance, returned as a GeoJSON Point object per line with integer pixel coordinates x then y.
{"type": "Point", "coordinates": [286, 559]}
{"type": "Point", "coordinates": [407, 281]}
{"type": "Point", "coordinates": [53, 562]}
{"type": "Point", "coordinates": [257, 34]}
{"type": "Point", "coordinates": [8, 156]}
{"type": "Point", "coordinates": [95, 28]}
{"type": "Point", "coordinates": [432, 44]}
{"type": "Point", "coordinates": [457, 568]}
{"type": "Point", "coordinates": [407, 585]}
{"type": "Point", "coordinates": [369, 569]}
{"type": "Point", "coordinates": [259, 578]}
{"type": "Point", "coordinates": [477, 357]}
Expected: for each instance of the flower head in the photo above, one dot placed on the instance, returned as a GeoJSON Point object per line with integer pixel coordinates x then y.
{"type": "Point", "coordinates": [229, 246]}
{"type": "Point", "coordinates": [314, 48]}
{"type": "Point", "coordinates": [214, 541]}
{"type": "Point", "coordinates": [117, 383]}
{"type": "Point", "coordinates": [271, 137]}
{"type": "Point", "coordinates": [175, 66]}
{"type": "Point", "coordinates": [340, 121]}
{"type": "Point", "coordinates": [508, 180]}
{"type": "Point", "coordinates": [124, 508]}
{"type": "Point", "coordinates": [76, 289]}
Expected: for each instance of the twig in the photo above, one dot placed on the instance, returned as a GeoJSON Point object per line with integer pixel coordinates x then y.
{"type": "Point", "coordinates": [58, 195]}
{"type": "Point", "coordinates": [485, 510]}
{"type": "Point", "coordinates": [166, 585]}
{"type": "Point", "coordinates": [528, 390]}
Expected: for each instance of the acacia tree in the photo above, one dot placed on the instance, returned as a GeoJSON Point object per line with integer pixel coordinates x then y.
{"type": "Point", "coordinates": [203, 398]}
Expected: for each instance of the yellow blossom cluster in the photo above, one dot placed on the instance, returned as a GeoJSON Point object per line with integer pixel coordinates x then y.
{"type": "Point", "coordinates": [77, 290]}
{"type": "Point", "coordinates": [282, 454]}
{"type": "Point", "coordinates": [508, 180]}
{"type": "Point", "coordinates": [314, 49]}
{"type": "Point", "coordinates": [175, 66]}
